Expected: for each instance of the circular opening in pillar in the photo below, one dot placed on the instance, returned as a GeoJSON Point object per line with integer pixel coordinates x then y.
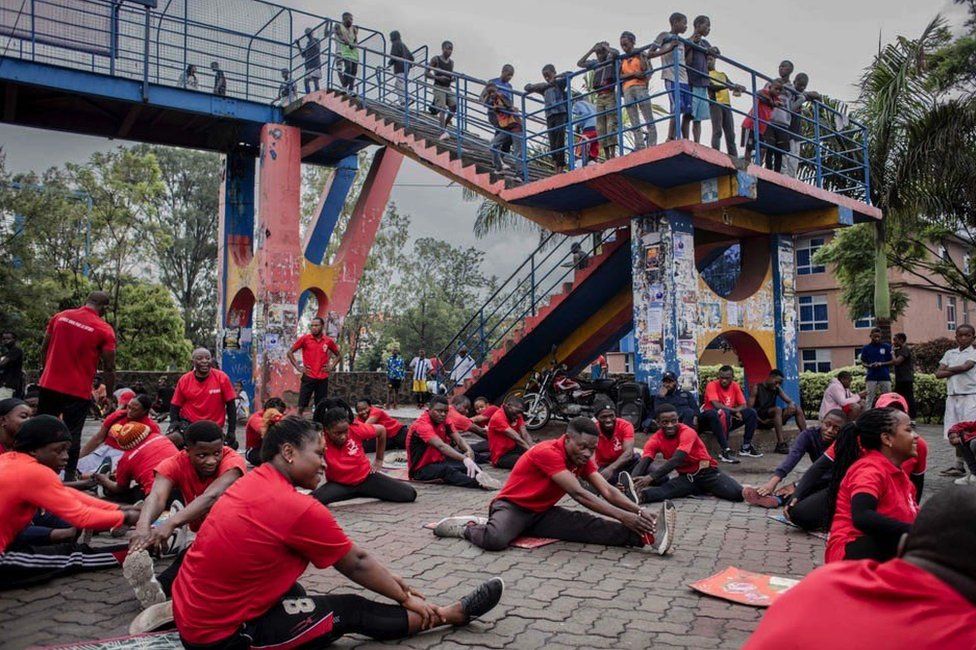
{"type": "Point", "coordinates": [733, 268]}
{"type": "Point", "coordinates": [312, 303]}
{"type": "Point", "coordinates": [740, 350]}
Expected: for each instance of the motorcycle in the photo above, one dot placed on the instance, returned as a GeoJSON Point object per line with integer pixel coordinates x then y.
{"type": "Point", "coordinates": [553, 393]}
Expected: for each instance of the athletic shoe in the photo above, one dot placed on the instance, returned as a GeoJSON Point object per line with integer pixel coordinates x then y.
{"type": "Point", "coordinates": [138, 571]}
{"type": "Point", "coordinates": [483, 599]}
{"type": "Point", "coordinates": [953, 471]}
{"type": "Point", "coordinates": [782, 448]}
{"type": "Point", "coordinates": [667, 519]}
{"type": "Point", "coordinates": [105, 467]}
{"type": "Point", "coordinates": [966, 480]}
{"type": "Point", "coordinates": [728, 456]}
{"type": "Point", "coordinates": [175, 543]}
{"type": "Point", "coordinates": [454, 526]}
{"type": "Point", "coordinates": [487, 482]}
{"type": "Point", "coordinates": [628, 488]}
{"type": "Point", "coordinates": [753, 498]}
{"type": "Point", "coordinates": [444, 136]}
{"type": "Point", "coordinates": [750, 452]}
{"type": "Point", "coordinates": [152, 618]}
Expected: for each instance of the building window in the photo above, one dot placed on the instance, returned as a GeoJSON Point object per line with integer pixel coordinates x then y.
{"type": "Point", "coordinates": [815, 360]}
{"type": "Point", "coordinates": [951, 313]}
{"type": "Point", "coordinates": [813, 313]}
{"type": "Point", "coordinates": [864, 322]}
{"type": "Point", "coordinates": [806, 247]}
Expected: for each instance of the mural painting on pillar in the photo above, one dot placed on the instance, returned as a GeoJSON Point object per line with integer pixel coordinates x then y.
{"type": "Point", "coordinates": [784, 294]}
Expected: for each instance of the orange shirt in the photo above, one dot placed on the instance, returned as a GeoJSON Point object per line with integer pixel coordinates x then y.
{"type": "Point", "coordinates": [632, 66]}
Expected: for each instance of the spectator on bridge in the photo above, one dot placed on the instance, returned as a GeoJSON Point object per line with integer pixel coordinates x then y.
{"type": "Point", "coordinates": [796, 101]}
{"type": "Point", "coordinates": [201, 473]}
{"type": "Point", "coordinates": [604, 87]}
{"type": "Point", "coordinates": [878, 359]}
{"type": "Point", "coordinates": [721, 107]}
{"type": "Point", "coordinates": [436, 452]}
{"type": "Point", "coordinates": [904, 363]}
{"type": "Point", "coordinates": [396, 431]}
{"type": "Point", "coordinates": [348, 472]}
{"type": "Point", "coordinates": [684, 452]}
{"type": "Point", "coordinates": [503, 84]}
{"type": "Point", "coordinates": [204, 393]}
{"type": "Point", "coordinates": [615, 449]}
{"type": "Point", "coordinates": [440, 70]}
{"type": "Point", "coordinates": [958, 367]}
{"type": "Point", "coordinates": [669, 43]}
{"type": "Point", "coordinates": [395, 372]}
{"type": "Point", "coordinates": [220, 80]}
{"type": "Point", "coordinates": [188, 78]}
{"type": "Point", "coordinates": [698, 77]}
{"type": "Point", "coordinates": [508, 131]}
{"type": "Point", "coordinates": [763, 398]}
{"type": "Point", "coordinates": [724, 411]}
{"type": "Point", "coordinates": [316, 363]}
{"type": "Point", "coordinates": [11, 367]}
{"type": "Point", "coordinates": [544, 475]}
{"type": "Point", "coordinates": [312, 57]}
{"type": "Point", "coordinates": [584, 121]}
{"type": "Point", "coordinates": [255, 429]}
{"type": "Point", "coordinates": [553, 91]}
{"type": "Point", "coordinates": [766, 101]}
{"type": "Point", "coordinates": [923, 598]}
{"type": "Point", "coordinates": [422, 369]}
{"type": "Point", "coordinates": [777, 136]}
{"type": "Point", "coordinates": [74, 343]}
{"type": "Point", "coordinates": [348, 36]}
{"type": "Point", "coordinates": [634, 75]}
{"type": "Point", "coordinates": [287, 92]}
{"type": "Point", "coordinates": [400, 59]}
{"type": "Point", "coordinates": [682, 400]}
{"type": "Point", "coordinates": [508, 438]}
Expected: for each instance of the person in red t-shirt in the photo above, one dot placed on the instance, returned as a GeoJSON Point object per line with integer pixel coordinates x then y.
{"type": "Point", "coordinates": [508, 438]}
{"type": "Point", "coordinates": [872, 500]}
{"type": "Point", "coordinates": [615, 450]}
{"type": "Point", "coordinates": [201, 472]}
{"type": "Point", "coordinates": [724, 411]}
{"type": "Point", "coordinates": [143, 451]}
{"type": "Point", "coordinates": [396, 431]}
{"type": "Point", "coordinates": [135, 409]}
{"type": "Point", "coordinates": [248, 595]}
{"type": "Point", "coordinates": [483, 411]}
{"type": "Point", "coordinates": [683, 452]}
{"type": "Point", "coordinates": [254, 429]}
{"type": "Point", "coordinates": [29, 482]}
{"type": "Point", "coordinates": [348, 473]}
{"type": "Point", "coordinates": [74, 343]}
{"type": "Point", "coordinates": [204, 393]}
{"type": "Point", "coordinates": [459, 418]}
{"type": "Point", "coordinates": [436, 452]}
{"type": "Point", "coordinates": [316, 365]}
{"type": "Point", "coordinates": [926, 598]}
{"type": "Point", "coordinates": [544, 475]}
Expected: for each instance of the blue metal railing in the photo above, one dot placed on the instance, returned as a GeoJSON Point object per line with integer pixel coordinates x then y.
{"type": "Point", "coordinates": [521, 295]}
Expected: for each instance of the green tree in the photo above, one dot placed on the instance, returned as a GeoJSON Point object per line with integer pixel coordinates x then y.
{"type": "Point", "coordinates": [149, 328]}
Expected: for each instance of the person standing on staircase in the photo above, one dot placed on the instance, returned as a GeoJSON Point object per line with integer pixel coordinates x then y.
{"type": "Point", "coordinates": [400, 59]}
{"type": "Point", "coordinates": [348, 36]}
{"type": "Point", "coordinates": [441, 69]}
{"type": "Point", "coordinates": [312, 55]}
{"type": "Point", "coordinates": [554, 90]}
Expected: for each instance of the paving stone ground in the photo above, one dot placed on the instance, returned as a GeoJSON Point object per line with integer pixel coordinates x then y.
{"type": "Point", "coordinates": [562, 595]}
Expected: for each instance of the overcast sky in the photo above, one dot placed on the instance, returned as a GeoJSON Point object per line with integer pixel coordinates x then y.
{"type": "Point", "coordinates": [831, 40]}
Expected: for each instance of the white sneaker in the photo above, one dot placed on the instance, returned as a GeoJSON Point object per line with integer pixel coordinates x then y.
{"type": "Point", "coordinates": [966, 480]}
{"type": "Point", "coordinates": [667, 519]}
{"type": "Point", "coordinates": [152, 618]}
{"type": "Point", "coordinates": [139, 573]}
{"type": "Point", "coordinates": [486, 481]}
{"type": "Point", "coordinates": [454, 526]}
{"type": "Point", "coordinates": [444, 136]}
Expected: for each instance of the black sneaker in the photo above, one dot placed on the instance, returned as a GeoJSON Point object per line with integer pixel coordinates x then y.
{"type": "Point", "coordinates": [627, 487]}
{"type": "Point", "coordinates": [782, 448]}
{"type": "Point", "coordinates": [728, 456]}
{"type": "Point", "coordinates": [483, 599]}
{"type": "Point", "coordinates": [750, 452]}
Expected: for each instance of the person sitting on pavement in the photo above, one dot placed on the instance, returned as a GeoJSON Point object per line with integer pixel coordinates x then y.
{"type": "Point", "coordinates": [13, 413]}
{"type": "Point", "coordinates": [484, 410]}
{"type": "Point", "coordinates": [545, 474]}
{"type": "Point", "coordinates": [458, 418]}
{"type": "Point", "coordinates": [201, 472]}
{"type": "Point", "coordinates": [682, 400]}
{"type": "Point", "coordinates": [28, 483]}
{"type": "Point", "coordinates": [725, 410]}
{"type": "Point", "coordinates": [811, 442]}
{"type": "Point", "coordinates": [204, 394]}
{"type": "Point", "coordinates": [615, 449]}
{"type": "Point", "coordinates": [838, 395]}
{"type": "Point", "coordinates": [142, 451]}
{"type": "Point", "coordinates": [436, 452]}
{"type": "Point", "coordinates": [132, 408]}
{"type": "Point", "coordinates": [348, 472]}
{"type": "Point", "coordinates": [508, 438]}
{"type": "Point", "coordinates": [684, 452]}
{"type": "Point", "coordinates": [923, 598]}
{"type": "Point", "coordinates": [396, 431]}
{"type": "Point", "coordinates": [872, 501]}
{"type": "Point", "coordinates": [763, 399]}
{"type": "Point", "coordinates": [231, 599]}
{"type": "Point", "coordinates": [255, 427]}
{"type": "Point", "coordinates": [962, 436]}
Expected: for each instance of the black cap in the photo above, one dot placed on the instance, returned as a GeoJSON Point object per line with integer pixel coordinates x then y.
{"type": "Point", "coordinates": [9, 404]}
{"type": "Point", "coordinates": [669, 376]}
{"type": "Point", "coordinates": [40, 431]}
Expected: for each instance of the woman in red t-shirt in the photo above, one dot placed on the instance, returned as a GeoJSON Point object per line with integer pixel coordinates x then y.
{"type": "Point", "coordinates": [135, 410]}
{"type": "Point", "coordinates": [232, 599]}
{"type": "Point", "coordinates": [396, 431]}
{"type": "Point", "coordinates": [872, 500]}
{"type": "Point", "coordinates": [254, 429]}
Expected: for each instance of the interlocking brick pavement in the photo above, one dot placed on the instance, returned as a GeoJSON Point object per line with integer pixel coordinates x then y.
{"type": "Point", "coordinates": [561, 595]}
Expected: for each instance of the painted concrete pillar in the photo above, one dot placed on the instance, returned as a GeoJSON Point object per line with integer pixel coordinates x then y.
{"type": "Point", "coordinates": [234, 252]}
{"type": "Point", "coordinates": [278, 260]}
{"type": "Point", "coordinates": [783, 265]}
{"type": "Point", "coordinates": [665, 298]}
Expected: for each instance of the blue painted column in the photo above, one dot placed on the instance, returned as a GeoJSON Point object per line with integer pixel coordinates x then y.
{"type": "Point", "coordinates": [783, 262]}
{"type": "Point", "coordinates": [665, 298]}
{"type": "Point", "coordinates": [235, 250]}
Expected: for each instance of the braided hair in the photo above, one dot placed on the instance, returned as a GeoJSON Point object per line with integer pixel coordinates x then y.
{"type": "Point", "coordinates": [331, 403]}
{"type": "Point", "coordinates": [289, 429]}
{"type": "Point", "coordinates": [864, 433]}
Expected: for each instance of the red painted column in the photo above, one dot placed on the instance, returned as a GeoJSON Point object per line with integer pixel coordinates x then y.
{"type": "Point", "coordinates": [279, 253]}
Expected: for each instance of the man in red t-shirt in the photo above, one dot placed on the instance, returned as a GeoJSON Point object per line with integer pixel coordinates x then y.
{"type": "Point", "coordinates": [684, 452]}
{"type": "Point", "coordinates": [725, 410]}
{"type": "Point", "coordinates": [615, 450]}
{"type": "Point", "coordinates": [924, 599]}
{"type": "Point", "coordinates": [508, 438]}
{"type": "Point", "coordinates": [544, 475]}
{"type": "Point", "coordinates": [436, 452]}
{"type": "Point", "coordinates": [204, 393]}
{"type": "Point", "coordinates": [201, 473]}
{"type": "Point", "coordinates": [316, 365]}
{"type": "Point", "coordinates": [74, 343]}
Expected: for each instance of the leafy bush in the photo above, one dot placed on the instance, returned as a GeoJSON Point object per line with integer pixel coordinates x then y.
{"type": "Point", "coordinates": [928, 354]}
